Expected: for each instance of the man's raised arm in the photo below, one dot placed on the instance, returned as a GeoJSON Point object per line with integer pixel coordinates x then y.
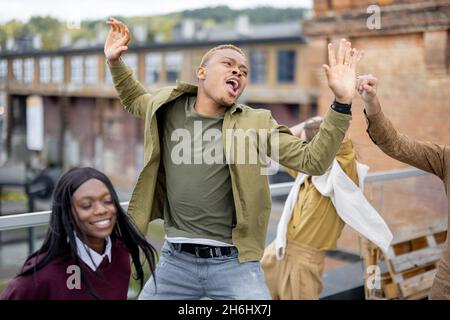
{"type": "Point", "coordinates": [132, 94]}
{"type": "Point", "coordinates": [424, 155]}
{"type": "Point", "coordinates": [315, 157]}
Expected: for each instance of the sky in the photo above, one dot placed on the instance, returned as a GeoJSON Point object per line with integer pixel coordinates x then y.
{"type": "Point", "coordinates": [70, 10]}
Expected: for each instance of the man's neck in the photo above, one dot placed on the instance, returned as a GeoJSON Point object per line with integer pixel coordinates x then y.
{"type": "Point", "coordinates": [205, 106]}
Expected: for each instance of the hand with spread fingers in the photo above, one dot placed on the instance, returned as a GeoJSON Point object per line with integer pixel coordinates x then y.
{"type": "Point", "coordinates": [341, 71]}
{"type": "Point", "coordinates": [117, 40]}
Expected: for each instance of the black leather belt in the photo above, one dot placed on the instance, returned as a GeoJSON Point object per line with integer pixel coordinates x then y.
{"type": "Point", "coordinates": [203, 251]}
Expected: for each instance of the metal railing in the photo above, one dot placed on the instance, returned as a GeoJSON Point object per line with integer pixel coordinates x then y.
{"type": "Point", "coordinates": [33, 219]}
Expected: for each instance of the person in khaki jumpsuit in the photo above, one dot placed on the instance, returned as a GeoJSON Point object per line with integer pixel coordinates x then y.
{"type": "Point", "coordinates": [314, 228]}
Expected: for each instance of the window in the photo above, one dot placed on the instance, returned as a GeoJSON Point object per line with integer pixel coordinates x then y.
{"type": "Point", "coordinates": [57, 70]}
{"type": "Point", "coordinates": [108, 77]}
{"type": "Point", "coordinates": [44, 70]}
{"type": "Point", "coordinates": [286, 66]}
{"type": "Point", "coordinates": [258, 63]}
{"type": "Point", "coordinates": [17, 70]}
{"type": "Point", "coordinates": [2, 108]}
{"type": "Point", "coordinates": [91, 69]}
{"type": "Point", "coordinates": [76, 70]}
{"type": "Point", "coordinates": [131, 60]}
{"type": "Point", "coordinates": [172, 61]}
{"type": "Point", "coordinates": [28, 70]}
{"type": "Point", "coordinates": [3, 70]}
{"type": "Point", "coordinates": [2, 101]}
{"type": "Point", "coordinates": [152, 67]}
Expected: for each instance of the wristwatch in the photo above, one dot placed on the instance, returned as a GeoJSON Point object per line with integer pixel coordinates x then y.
{"type": "Point", "coordinates": [341, 107]}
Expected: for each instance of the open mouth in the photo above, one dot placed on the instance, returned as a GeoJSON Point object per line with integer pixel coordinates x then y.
{"type": "Point", "coordinates": [233, 86]}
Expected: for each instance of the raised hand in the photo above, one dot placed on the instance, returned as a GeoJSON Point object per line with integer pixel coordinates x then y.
{"type": "Point", "coordinates": [367, 88]}
{"type": "Point", "coordinates": [341, 71]}
{"type": "Point", "coordinates": [117, 40]}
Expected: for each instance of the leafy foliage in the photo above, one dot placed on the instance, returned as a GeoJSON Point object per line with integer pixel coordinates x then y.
{"type": "Point", "coordinates": [52, 31]}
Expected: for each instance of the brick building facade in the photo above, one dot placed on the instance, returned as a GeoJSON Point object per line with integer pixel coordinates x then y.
{"type": "Point", "coordinates": [409, 54]}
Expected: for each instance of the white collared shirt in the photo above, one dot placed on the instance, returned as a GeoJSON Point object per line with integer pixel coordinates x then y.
{"type": "Point", "coordinates": [92, 258]}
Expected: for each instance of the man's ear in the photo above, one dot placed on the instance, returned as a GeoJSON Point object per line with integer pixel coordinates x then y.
{"type": "Point", "coordinates": [201, 73]}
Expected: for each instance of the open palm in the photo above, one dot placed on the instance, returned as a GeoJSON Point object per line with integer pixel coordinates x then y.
{"type": "Point", "coordinates": [341, 71]}
{"type": "Point", "coordinates": [117, 40]}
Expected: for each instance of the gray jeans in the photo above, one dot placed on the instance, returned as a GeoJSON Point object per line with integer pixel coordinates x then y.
{"type": "Point", "coordinates": [183, 276]}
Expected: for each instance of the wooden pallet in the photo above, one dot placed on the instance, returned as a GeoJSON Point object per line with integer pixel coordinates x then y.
{"type": "Point", "coordinates": [411, 262]}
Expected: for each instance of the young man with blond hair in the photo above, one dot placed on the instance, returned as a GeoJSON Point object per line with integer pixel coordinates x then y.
{"type": "Point", "coordinates": [216, 212]}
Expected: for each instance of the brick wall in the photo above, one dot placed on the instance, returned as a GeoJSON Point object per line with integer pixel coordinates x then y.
{"type": "Point", "coordinates": [414, 84]}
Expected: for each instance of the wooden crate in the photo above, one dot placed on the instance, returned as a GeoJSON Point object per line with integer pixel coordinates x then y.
{"type": "Point", "coordinates": [411, 262]}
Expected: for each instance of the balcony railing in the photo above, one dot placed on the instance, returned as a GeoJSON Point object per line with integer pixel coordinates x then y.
{"type": "Point", "coordinates": [33, 219]}
{"type": "Point", "coordinates": [407, 196]}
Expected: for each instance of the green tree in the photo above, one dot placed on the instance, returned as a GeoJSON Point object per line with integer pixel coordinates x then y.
{"type": "Point", "coordinates": [50, 29]}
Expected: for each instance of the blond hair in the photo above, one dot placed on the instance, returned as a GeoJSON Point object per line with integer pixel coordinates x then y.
{"type": "Point", "coordinates": [210, 52]}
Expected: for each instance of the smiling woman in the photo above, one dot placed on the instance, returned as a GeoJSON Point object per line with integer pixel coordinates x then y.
{"type": "Point", "coordinates": [87, 249]}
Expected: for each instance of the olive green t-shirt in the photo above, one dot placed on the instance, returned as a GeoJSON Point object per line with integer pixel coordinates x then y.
{"type": "Point", "coordinates": [199, 200]}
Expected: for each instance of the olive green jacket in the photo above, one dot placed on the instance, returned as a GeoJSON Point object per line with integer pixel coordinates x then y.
{"type": "Point", "coordinates": [250, 188]}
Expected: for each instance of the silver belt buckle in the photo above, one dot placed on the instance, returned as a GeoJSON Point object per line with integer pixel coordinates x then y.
{"type": "Point", "coordinates": [211, 252]}
{"type": "Point", "coordinates": [197, 251]}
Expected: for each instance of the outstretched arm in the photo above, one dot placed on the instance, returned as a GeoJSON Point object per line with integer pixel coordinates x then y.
{"type": "Point", "coordinates": [420, 154]}
{"type": "Point", "coordinates": [132, 94]}
{"type": "Point", "coordinates": [315, 157]}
